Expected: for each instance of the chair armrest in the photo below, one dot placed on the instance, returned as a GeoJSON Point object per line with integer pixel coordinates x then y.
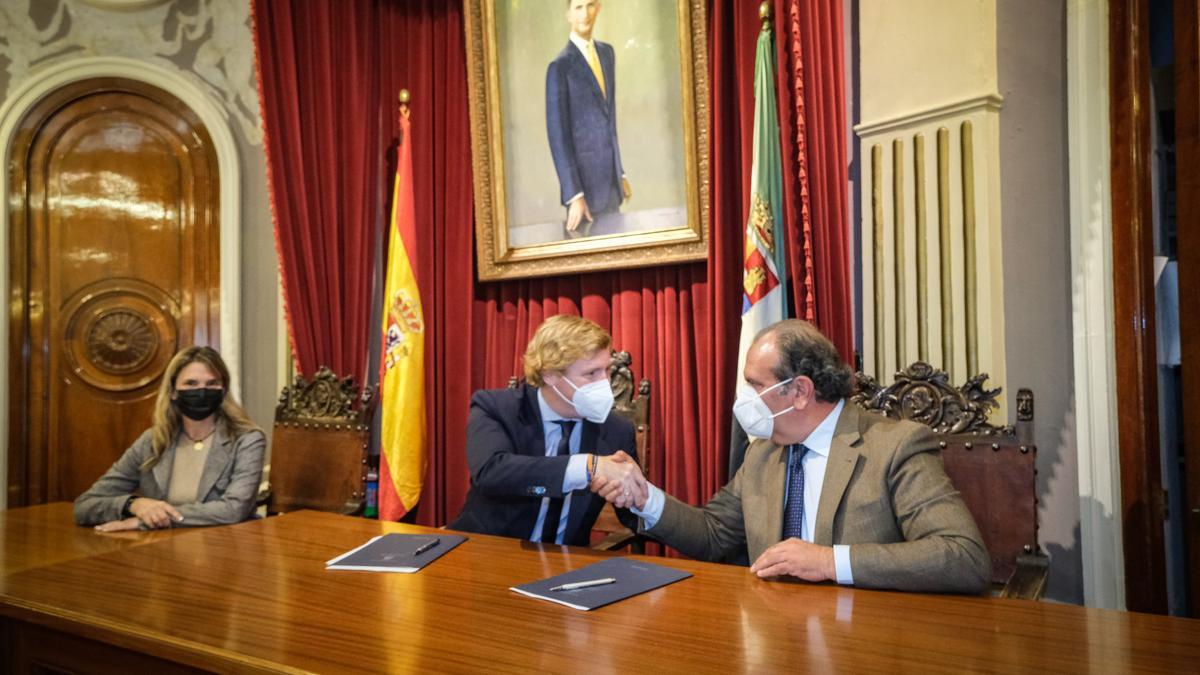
{"type": "Point", "coordinates": [1028, 580]}
{"type": "Point", "coordinates": [619, 539]}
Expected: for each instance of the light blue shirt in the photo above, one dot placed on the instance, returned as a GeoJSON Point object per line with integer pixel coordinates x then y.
{"type": "Point", "coordinates": [576, 476]}
{"type": "Point", "coordinates": [815, 461]}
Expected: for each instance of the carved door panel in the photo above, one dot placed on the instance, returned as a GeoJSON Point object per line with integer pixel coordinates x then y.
{"type": "Point", "coordinates": [114, 266]}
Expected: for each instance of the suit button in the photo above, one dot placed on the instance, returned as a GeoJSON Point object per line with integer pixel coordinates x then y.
{"type": "Point", "coordinates": [537, 490]}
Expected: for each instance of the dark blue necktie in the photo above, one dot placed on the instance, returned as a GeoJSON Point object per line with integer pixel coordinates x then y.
{"type": "Point", "coordinates": [554, 510]}
{"type": "Point", "coordinates": [793, 512]}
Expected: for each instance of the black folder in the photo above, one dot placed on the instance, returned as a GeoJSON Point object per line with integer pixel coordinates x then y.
{"type": "Point", "coordinates": [629, 578]}
{"type": "Point", "coordinates": [396, 553]}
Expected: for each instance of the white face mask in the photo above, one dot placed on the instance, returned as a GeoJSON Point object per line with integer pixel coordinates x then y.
{"type": "Point", "coordinates": [592, 401]}
{"type": "Point", "coordinates": [754, 415]}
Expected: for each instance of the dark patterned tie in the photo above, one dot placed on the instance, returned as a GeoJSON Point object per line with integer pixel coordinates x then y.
{"type": "Point", "coordinates": [554, 510]}
{"type": "Point", "coordinates": [793, 513]}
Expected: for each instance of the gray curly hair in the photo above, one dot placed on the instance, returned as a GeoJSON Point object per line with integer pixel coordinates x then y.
{"type": "Point", "coordinates": [805, 351]}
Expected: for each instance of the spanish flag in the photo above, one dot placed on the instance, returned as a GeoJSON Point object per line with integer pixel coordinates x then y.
{"type": "Point", "coordinates": [402, 380]}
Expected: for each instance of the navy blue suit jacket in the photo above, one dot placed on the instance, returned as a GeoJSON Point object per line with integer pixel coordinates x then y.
{"type": "Point", "coordinates": [582, 125]}
{"type": "Point", "coordinates": [510, 472]}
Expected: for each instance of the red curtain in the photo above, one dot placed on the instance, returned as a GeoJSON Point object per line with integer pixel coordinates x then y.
{"type": "Point", "coordinates": [423, 51]}
{"type": "Point", "coordinates": [812, 118]}
{"type": "Point", "coordinates": [313, 59]}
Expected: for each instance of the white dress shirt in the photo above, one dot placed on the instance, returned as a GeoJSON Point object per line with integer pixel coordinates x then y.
{"type": "Point", "coordinates": [576, 476]}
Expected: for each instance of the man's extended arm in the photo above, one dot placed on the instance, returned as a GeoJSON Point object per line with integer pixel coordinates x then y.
{"type": "Point", "coordinates": [705, 533]}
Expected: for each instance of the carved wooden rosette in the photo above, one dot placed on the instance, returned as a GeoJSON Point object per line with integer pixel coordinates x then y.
{"type": "Point", "coordinates": [119, 334]}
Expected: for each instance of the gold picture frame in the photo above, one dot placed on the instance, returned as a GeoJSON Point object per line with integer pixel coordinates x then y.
{"type": "Point", "coordinates": [519, 215]}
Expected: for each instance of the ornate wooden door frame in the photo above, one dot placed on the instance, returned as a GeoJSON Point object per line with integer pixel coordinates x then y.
{"type": "Point", "coordinates": [1133, 307]}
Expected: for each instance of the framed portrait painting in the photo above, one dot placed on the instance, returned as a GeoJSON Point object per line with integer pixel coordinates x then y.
{"type": "Point", "coordinates": [589, 133]}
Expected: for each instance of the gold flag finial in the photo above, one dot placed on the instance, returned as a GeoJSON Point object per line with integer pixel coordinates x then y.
{"type": "Point", "coordinates": [764, 13]}
{"type": "Point", "coordinates": [403, 97]}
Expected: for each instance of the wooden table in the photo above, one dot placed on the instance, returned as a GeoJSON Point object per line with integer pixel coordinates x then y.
{"type": "Point", "coordinates": [43, 535]}
{"type": "Point", "coordinates": [255, 597]}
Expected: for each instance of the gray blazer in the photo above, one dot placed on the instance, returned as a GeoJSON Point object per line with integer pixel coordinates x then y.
{"type": "Point", "coordinates": [229, 482]}
{"type": "Point", "coordinates": [885, 494]}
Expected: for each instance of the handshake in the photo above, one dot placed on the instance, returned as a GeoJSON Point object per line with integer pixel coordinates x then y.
{"type": "Point", "coordinates": [619, 480]}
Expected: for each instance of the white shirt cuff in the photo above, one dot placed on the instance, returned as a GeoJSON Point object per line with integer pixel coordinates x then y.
{"type": "Point", "coordinates": [574, 198]}
{"type": "Point", "coordinates": [576, 476]}
{"type": "Point", "coordinates": [654, 507]}
{"type": "Point", "coordinates": [841, 564]}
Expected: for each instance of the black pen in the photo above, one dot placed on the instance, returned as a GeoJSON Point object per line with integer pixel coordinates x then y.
{"type": "Point", "coordinates": [426, 546]}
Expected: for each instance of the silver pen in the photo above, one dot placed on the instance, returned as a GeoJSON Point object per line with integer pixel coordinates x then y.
{"type": "Point", "coordinates": [584, 584]}
{"type": "Point", "coordinates": [425, 547]}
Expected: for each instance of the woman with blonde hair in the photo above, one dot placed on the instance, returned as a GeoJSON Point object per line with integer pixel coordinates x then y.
{"type": "Point", "coordinates": [198, 464]}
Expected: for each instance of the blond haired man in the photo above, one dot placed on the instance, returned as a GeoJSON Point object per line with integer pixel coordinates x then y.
{"type": "Point", "coordinates": [534, 450]}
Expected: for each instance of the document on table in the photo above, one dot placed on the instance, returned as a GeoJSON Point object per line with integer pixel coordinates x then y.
{"type": "Point", "coordinates": [602, 583]}
{"type": "Point", "coordinates": [406, 553]}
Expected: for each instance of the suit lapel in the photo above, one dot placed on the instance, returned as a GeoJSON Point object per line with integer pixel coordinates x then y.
{"type": "Point", "coordinates": [773, 488]}
{"type": "Point", "coordinates": [583, 70]}
{"type": "Point", "coordinates": [162, 471]}
{"type": "Point", "coordinates": [607, 66]}
{"type": "Point", "coordinates": [839, 468]}
{"type": "Point", "coordinates": [532, 421]}
{"type": "Point", "coordinates": [219, 456]}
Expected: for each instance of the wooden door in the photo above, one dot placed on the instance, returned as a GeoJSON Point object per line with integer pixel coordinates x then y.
{"type": "Point", "coordinates": [114, 265]}
{"type": "Point", "coordinates": [1133, 308]}
{"type": "Point", "coordinates": [1187, 189]}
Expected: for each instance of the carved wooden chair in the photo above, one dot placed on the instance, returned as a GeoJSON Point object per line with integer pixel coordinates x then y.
{"type": "Point", "coordinates": [993, 467]}
{"type": "Point", "coordinates": [608, 534]}
{"type": "Point", "coordinates": [319, 445]}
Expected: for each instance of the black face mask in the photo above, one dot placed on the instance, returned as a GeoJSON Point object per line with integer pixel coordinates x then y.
{"type": "Point", "coordinates": [198, 404]}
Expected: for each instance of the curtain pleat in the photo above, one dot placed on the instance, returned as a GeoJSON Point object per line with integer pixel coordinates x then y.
{"type": "Point", "coordinates": [312, 59]}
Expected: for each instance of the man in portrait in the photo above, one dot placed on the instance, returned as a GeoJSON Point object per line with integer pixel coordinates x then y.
{"type": "Point", "coordinates": [581, 121]}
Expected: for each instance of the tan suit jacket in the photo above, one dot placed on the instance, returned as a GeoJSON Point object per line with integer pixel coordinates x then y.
{"type": "Point", "coordinates": [229, 481]}
{"type": "Point", "coordinates": [885, 494]}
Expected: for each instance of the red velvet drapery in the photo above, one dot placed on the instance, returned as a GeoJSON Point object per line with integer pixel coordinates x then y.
{"type": "Point", "coordinates": [680, 323]}
{"type": "Point", "coordinates": [322, 165]}
{"type": "Point", "coordinates": [812, 119]}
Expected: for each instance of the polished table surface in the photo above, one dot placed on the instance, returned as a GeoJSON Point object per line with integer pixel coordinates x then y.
{"type": "Point", "coordinates": [256, 597]}
{"type": "Point", "coordinates": [43, 535]}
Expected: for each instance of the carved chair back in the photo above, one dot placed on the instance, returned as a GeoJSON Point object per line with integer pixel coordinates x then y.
{"type": "Point", "coordinates": [319, 445]}
{"type": "Point", "coordinates": [994, 468]}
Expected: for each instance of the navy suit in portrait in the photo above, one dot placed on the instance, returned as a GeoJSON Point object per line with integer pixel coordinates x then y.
{"type": "Point", "coordinates": [582, 124]}
{"type": "Point", "coordinates": [510, 472]}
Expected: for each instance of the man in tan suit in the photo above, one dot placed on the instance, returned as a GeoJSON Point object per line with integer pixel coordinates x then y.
{"type": "Point", "coordinates": [828, 493]}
